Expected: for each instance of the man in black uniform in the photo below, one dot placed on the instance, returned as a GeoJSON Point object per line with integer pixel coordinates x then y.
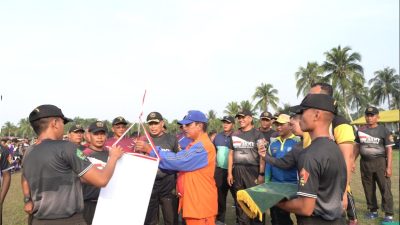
{"type": "Point", "coordinates": [98, 156]}
{"type": "Point", "coordinates": [75, 134]}
{"type": "Point", "coordinates": [245, 168]}
{"type": "Point", "coordinates": [322, 169]}
{"type": "Point", "coordinates": [164, 185]}
{"type": "Point", "coordinates": [343, 134]}
{"type": "Point", "coordinates": [222, 142]}
{"type": "Point", "coordinates": [266, 126]}
{"type": "Point", "coordinates": [375, 147]}
{"type": "Point", "coordinates": [53, 170]}
{"type": "Point", "coordinates": [5, 175]}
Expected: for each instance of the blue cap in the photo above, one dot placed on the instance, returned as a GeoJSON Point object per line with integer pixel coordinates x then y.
{"type": "Point", "coordinates": [194, 116]}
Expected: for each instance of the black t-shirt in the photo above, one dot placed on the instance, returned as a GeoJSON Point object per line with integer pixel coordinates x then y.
{"type": "Point", "coordinates": [98, 159]}
{"type": "Point", "coordinates": [323, 177]}
{"type": "Point", "coordinates": [52, 169]}
{"type": "Point", "coordinates": [166, 141]}
{"type": "Point", "coordinates": [373, 141]}
{"type": "Point", "coordinates": [4, 160]}
{"type": "Point", "coordinates": [271, 133]}
{"type": "Point", "coordinates": [244, 146]}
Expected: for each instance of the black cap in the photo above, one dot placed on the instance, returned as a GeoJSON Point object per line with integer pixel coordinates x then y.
{"type": "Point", "coordinates": [119, 120]}
{"type": "Point", "coordinates": [228, 119]}
{"type": "Point", "coordinates": [371, 110]}
{"type": "Point", "coordinates": [244, 112]}
{"type": "Point", "coordinates": [76, 128]}
{"type": "Point", "coordinates": [315, 101]}
{"type": "Point", "coordinates": [45, 111]}
{"type": "Point", "coordinates": [154, 117]}
{"type": "Point", "coordinates": [97, 126]}
{"type": "Point", "coordinates": [266, 115]}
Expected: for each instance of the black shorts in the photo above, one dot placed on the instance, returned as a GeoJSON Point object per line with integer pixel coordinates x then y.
{"type": "Point", "coordinates": [76, 219]}
{"type": "Point", "coordinates": [313, 220]}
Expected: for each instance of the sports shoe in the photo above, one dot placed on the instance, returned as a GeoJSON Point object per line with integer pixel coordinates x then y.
{"type": "Point", "coordinates": [388, 219]}
{"type": "Point", "coordinates": [371, 215]}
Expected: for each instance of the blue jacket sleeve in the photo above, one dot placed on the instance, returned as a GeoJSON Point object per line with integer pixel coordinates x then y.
{"type": "Point", "coordinates": [186, 160]}
{"type": "Point", "coordinates": [268, 169]}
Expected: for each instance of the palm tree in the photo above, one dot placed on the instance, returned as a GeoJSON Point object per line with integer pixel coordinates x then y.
{"type": "Point", "coordinates": [308, 76]}
{"type": "Point", "coordinates": [232, 108]}
{"type": "Point", "coordinates": [396, 99]}
{"type": "Point", "coordinates": [284, 109]}
{"type": "Point", "coordinates": [266, 95]}
{"type": "Point", "coordinates": [25, 128]}
{"type": "Point", "coordinates": [211, 114]}
{"type": "Point", "coordinates": [341, 66]}
{"type": "Point", "coordinates": [384, 84]}
{"type": "Point", "coordinates": [246, 105]}
{"type": "Point", "coordinates": [8, 129]}
{"type": "Point", "coordinates": [358, 95]}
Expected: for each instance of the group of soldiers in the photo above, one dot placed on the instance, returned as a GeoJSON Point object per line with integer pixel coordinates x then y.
{"type": "Point", "coordinates": [313, 147]}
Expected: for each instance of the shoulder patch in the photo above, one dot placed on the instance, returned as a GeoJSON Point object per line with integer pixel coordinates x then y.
{"type": "Point", "coordinates": [80, 154]}
{"type": "Point", "coordinates": [391, 138]}
{"type": "Point", "coordinates": [303, 176]}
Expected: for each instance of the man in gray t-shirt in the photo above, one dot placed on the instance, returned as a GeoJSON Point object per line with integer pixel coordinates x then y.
{"type": "Point", "coordinates": [375, 147]}
{"type": "Point", "coordinates": [53, 170]}
{"type": "Point", "coordinates": [244, 167]}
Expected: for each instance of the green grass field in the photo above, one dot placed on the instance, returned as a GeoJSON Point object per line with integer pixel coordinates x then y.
{"type": "Point", "coordinates": [13, 213]}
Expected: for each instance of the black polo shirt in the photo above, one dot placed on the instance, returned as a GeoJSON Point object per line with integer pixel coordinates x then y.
{"type": "Point", "coordinates": [165, 141]}
{"type": "Point", "coordinates": [244, 146]}
{"type": "Point", "coordinates": [322, 172]}
{"type": "Point", "coordinates": [52, 169]}
{"type": "Point", "coordinates": [98, 159]}
{"type": "Point", "coordinates": [268, 134]}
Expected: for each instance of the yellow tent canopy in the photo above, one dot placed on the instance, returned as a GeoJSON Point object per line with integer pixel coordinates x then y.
{"type": "Point", "coordinates": [389, 116]}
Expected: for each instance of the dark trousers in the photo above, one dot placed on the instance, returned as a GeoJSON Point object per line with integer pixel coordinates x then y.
{"type": "Point", "coordinates": [245, 176]}
{"type": "Point", "coordinates": [163, 194]}
{"type": "Point", "coordinates": [316, 220]}
{"type": "Point", "coordinates": [220, 177]}
{"type": "Point", "coordinates": [372, 173]}
{"type": "Point", "coordinates": [1, 209]}
{"type": "Point", "coordinates": [88, 211]}
{"type": "Point", "coordinates": [280, 216]}
{"type": "Point", "coordinates": [76, 219]}
{"type": "Point", "coordinates": [351, 207]}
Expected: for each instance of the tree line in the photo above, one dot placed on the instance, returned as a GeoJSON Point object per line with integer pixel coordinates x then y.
{"type": "Point", "coordinates": [342, 69]}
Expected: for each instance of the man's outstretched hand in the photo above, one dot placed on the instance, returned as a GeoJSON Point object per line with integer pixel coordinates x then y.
{"type": "Point", "coordinates": [142, 146]}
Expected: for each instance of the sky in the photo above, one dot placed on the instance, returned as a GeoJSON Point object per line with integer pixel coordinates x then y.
{"type": "Point", "coordinates": [95, 59]}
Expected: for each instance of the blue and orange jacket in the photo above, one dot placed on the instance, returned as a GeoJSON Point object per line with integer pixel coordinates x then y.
{"type": "Point", "coordinates": [196, 184]}
{"type": "Point", "coordinates": [278, 149]}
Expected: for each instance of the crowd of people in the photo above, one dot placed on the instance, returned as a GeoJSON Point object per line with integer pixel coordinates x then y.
{"type": "Point", "coordinates": [312, 147]}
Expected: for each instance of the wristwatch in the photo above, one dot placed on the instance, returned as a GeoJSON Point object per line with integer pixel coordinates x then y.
{"type": "Point", "coordinates": [27, 199]}
{"type": "Point", "coordinates": [261, 174]}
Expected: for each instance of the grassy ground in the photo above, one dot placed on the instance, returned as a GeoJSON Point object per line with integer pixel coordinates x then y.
{"type": "Point", "coordinates": [13, 213]}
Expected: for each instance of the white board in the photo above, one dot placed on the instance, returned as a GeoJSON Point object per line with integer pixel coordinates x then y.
{"type": "Point", "coordinates": [125, 199]}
